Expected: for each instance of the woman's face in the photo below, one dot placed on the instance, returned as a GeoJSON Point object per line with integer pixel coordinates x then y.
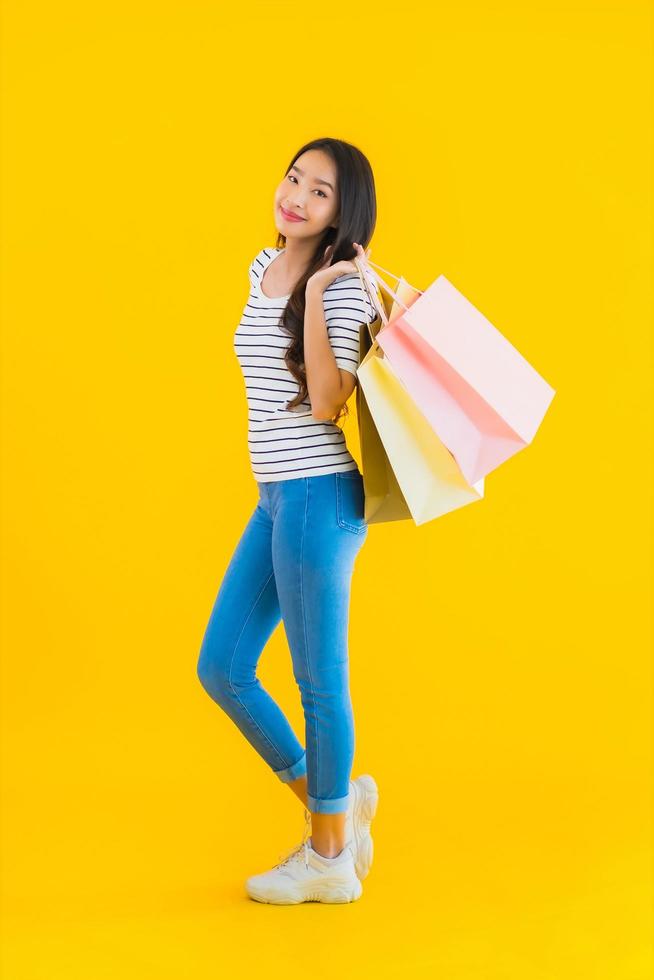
{"type": "Point", "coordinates": [304, 193]}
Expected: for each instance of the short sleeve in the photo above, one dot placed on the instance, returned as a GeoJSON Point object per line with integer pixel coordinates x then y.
{"type": "Point", "coordinates": [347, 306]}
{"type": "Point", "coordinates": [258, 264]}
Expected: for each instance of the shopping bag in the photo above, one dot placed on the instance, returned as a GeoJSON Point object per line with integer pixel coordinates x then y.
{"type": "Point", "coordinates": [384, 500]}
{"type": "Point", "coordinates": [479, 394]}
{"type": "Point", "coordinates": [407, 470]}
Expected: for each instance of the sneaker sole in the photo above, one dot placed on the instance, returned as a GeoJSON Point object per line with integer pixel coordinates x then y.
{"type": "Point", "coordinates": [334, 893]}
{"type": "Point", "coordinates": [365, 805]}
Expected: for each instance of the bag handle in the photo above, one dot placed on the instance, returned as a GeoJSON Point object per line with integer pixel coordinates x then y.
{"type": "Point", "coordinates": [370, 282]}
{"type": "Point", "coordinates": [370, 291]}
{"type": "Point", "coordinates": [368, 262]}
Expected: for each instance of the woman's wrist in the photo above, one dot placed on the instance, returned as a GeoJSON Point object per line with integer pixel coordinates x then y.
{"type": "Point", "coordinates": [317, 283]}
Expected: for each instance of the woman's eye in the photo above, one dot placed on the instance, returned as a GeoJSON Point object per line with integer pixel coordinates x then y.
{"type": "Point", "coordinates": [291, 177]}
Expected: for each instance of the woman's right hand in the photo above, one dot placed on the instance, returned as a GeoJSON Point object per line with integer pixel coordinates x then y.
{"type": "Point", "coordinates": [328, 273]}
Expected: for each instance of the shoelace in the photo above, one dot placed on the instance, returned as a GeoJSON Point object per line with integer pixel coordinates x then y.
{"type": "Point", "coordinates": [303, 845]}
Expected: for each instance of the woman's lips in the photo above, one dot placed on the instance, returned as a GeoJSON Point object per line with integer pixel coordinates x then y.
{"type": "Point", "coordinates": [289, 216]}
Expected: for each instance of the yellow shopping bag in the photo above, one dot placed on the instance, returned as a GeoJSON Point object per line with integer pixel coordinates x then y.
{"type": "Point", "coordinates": [384, 500]}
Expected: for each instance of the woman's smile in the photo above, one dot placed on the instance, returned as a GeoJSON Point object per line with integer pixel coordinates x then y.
{"type": "Point", "coordinates": [289, 216]}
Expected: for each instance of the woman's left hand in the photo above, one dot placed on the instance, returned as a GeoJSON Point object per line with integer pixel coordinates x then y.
{"type": "Point", "coordinates": [327, 273]}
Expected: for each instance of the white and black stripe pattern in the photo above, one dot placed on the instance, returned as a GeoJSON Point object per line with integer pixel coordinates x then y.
{"type": "Point", "coordinates": [284, 443]}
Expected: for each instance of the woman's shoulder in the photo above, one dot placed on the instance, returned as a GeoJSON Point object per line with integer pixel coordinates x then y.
{"type": "Point", "coordinates": [261, 260]}
{"type": "Point", "coordinates": [347, 294]}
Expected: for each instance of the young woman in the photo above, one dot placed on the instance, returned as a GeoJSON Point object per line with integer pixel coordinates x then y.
{"type": "Point", "coordinates": [298, 347]}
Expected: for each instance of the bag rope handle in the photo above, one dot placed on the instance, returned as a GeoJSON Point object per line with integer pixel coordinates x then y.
{"type": "Point", "coordinates": [371, 282]}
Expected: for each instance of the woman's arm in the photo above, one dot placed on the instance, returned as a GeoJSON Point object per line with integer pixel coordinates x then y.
{"type": "Point", "coordinates": [329, 386]}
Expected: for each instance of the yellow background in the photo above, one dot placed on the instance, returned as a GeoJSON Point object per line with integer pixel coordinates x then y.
{"type": "Point", "coordinates": [499, 656]}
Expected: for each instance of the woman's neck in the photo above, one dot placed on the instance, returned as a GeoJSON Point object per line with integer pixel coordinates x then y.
{"type": "Point", "coordinates": [297, 258]}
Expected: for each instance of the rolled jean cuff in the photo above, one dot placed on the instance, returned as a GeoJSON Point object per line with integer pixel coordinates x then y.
{"type": "Point", "coordinates": [298, 769]}
{"type": "Point", "coordinates": [327, 806]}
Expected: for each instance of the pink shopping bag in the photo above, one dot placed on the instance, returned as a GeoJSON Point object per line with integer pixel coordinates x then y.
{"type": "Point", "coordinates": [478, 393]}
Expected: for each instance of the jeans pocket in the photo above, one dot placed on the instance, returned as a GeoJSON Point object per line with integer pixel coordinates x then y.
{"type": "Point", "coordinates": [350, 502]}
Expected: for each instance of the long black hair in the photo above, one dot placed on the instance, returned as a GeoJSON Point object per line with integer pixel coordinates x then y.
{"type": "Point", "coordinates": [356, 223]}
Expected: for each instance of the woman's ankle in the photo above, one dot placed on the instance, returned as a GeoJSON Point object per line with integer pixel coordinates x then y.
{"type": "Point", "coordinates": [328, 850]}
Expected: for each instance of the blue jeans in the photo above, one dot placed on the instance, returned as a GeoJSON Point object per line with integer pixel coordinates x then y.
{"type": "Point", "coordinates": [294, 562]}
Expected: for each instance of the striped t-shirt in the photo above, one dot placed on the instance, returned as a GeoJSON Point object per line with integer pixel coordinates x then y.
{"type": "Point", "coordinates": [287, 443]}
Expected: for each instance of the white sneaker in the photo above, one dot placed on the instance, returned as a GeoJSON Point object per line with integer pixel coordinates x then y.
{"type": "Point", "coordinates": [362, 807]}
{"type": "Point", "coordinates": [304, 875]}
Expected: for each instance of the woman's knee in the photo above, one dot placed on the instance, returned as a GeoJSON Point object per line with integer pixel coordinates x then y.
{"type": "Point", "coordinates": [213, 674]}
{"type": "Point", "coordinates": [221, 674]}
